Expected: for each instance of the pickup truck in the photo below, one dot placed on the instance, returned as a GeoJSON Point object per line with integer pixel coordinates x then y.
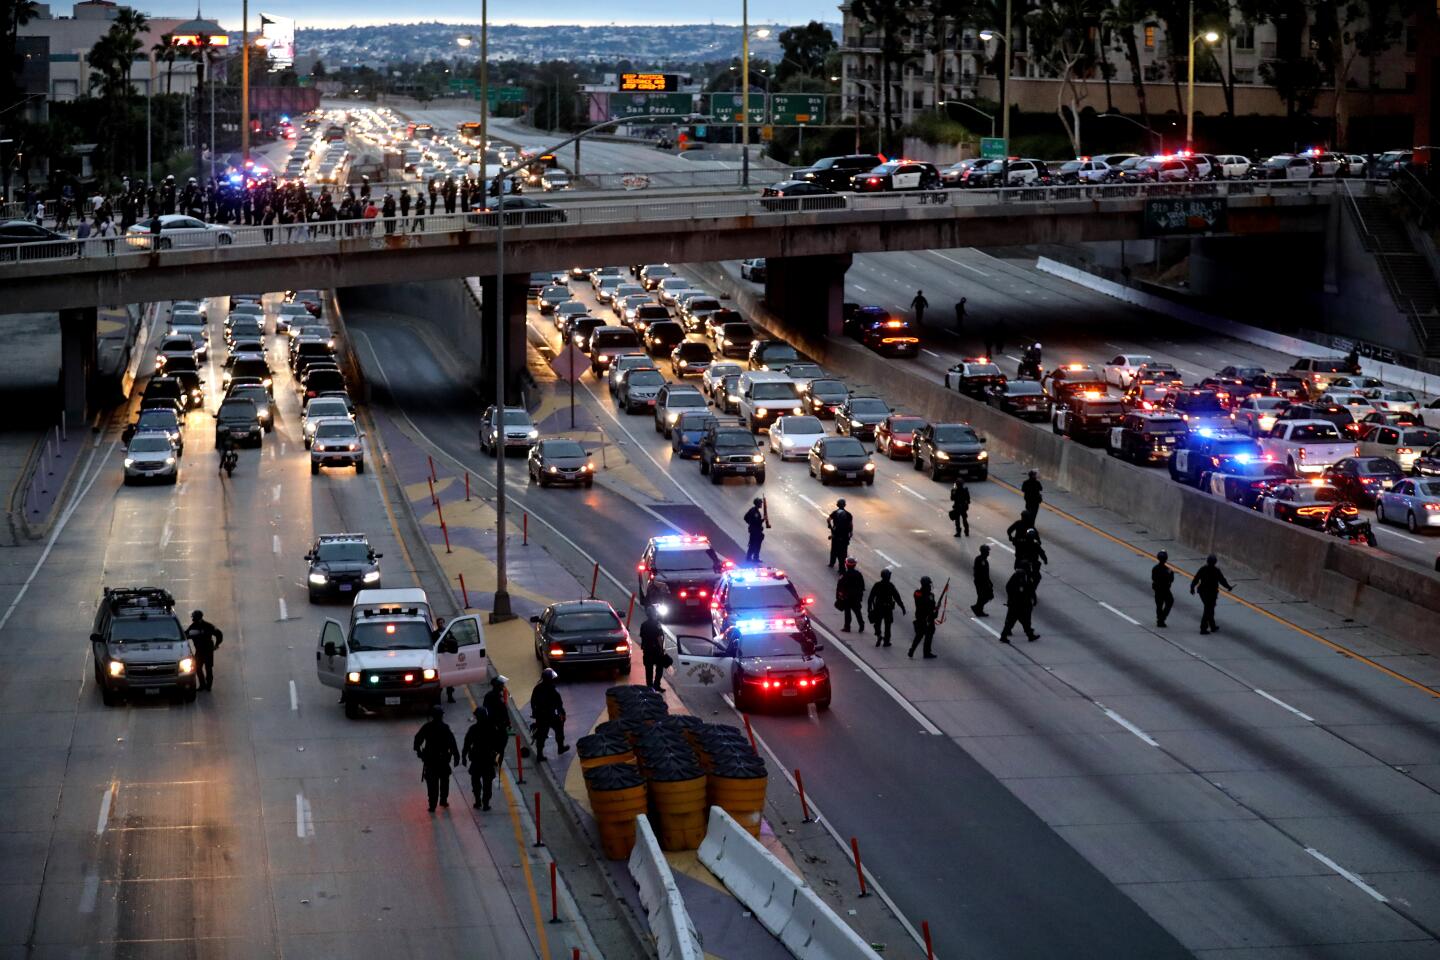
{"type": "Point", "coordinates": [729, 449]}
{"type": "Point", "coordinates": [1307, 446]}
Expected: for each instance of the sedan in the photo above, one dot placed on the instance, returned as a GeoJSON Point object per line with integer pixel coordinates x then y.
{"type": "Point", "coordinates": [841, 458]}
{"type": "Point", "coordinates": [552, 296]}
{"type": "Point", "coordinates": [582, 633]}
{"type": "Point", "coordinates": [800, 196]}
{"type": "Point", "coordinates": [663, 337]}
{"type": "Point", "coordinates": [638, 389]}
{"type": "Point", "coordinates": [1428, 463]}
{"type": "Point", "coordinates": [151, 456]}
{"type": "Point", "coordinates": [690, 428]}
{"type": "Point", "coordinates": [50, 243]}
{"type": "Point", "coordinates": [753, 269]}
{"type": "Point", "coordinates": [1414, 501]}
{"type": "Point", "coordinates": [1404, 445]}
{"type": "Point", "coordinates": [1020, 398]}
{"type": "Point", "coordinates": [859, 416]}
{"type": "Point", "coordinates": [894, 435]}
{"type": "Point", "coordinates": [518, 211]}
{"type": "Point", "coordinates": [1395, 401]}
{"type": "Point", "coordinates": [567, 309]}
{"type": "Point", "coordinates": [1306, 503]}
{"type": "Point", "coordinates": [715, 374]}
{"type": "Point", "coordinates": [264, 408]}
{"type": "Point", "coordinates": [792, 437]}
{"type": "Point", "coordinates": [179, 230]}
{"type": "Point", "coordinates": [157, 420]}
{"type": "Point", "coordinates": [1363, 479]}
{"type": "Point", "coordinates": [618, 367]}
{"type": "Point", "coordinates": [1121, 369]}
{"type": "Point", "coordinates": [690, 358]}
{"type": "Point", "coordinates": [560, 460]}
{"type": "Point", "coordinates": [824, 396]}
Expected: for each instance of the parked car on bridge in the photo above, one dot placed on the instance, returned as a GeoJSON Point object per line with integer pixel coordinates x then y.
{"type": "Point", "coordinates": [179, 230]}
{"type": "Point", "coordinates": [837, 173]}
{"type": "Point", "coordinates": [800, 196]}
{"type": "Point", "coordinates": [519, 211]}
{"type": "Point", "coordinates": [26, 232]}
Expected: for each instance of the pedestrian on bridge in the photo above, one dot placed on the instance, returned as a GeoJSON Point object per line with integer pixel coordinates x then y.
{"type": "Point", "coordinates": [418, 224]}
{"type": "Point", "coordinates": [918, 305]}
{"type": "Point", "coordinates": [387, 208]}
{"type": "Point", "coordinates": [1207, 583]}
{"type": "Point", "coordinates": [984, 588]}
{"type": "Point", "coordinates": [884, 598]}
{"type": "Point", "coordinates": [404, 206]}
{"type": "Point", "coordinates": [1162, 579]}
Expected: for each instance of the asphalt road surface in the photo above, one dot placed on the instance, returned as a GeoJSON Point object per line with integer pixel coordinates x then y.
{"type": "Point", "coordinates": [257, 821]}
{"type": "Point", "coordinates": [1110, 790]}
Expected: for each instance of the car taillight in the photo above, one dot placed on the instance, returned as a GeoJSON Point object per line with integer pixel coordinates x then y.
{"type": "Point", "coordinates": [1300, 453]}
{"type": "Point", "coordinates": [557, 651]}
{"type": "Point", "coordinates": [622, 648]}
{"type": "Point", "coordinates": [1312, 511]}
{"type": "Point", "coordinates": [640, 567]}
{"type": "Point", "coordinates": [802, 683]}
{"type": "Point", "coordinates": [809, 602]}
{"type": "Point", "coordinates": [729, 564]}
{"type": "Point", "coordinates": [703, 593]}
{"type": "Point", "coordinates": [684, 594]}
{"type": "Point", "coordinates": [1404, 451]}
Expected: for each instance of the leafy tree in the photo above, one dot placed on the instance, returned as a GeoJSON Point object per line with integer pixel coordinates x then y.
{"type": "Point", "coordinates": [1124, 19]}
{"type": "Point", "coordinates": [804, 49]}
{"type": "Point", "coordinates": [1060, 39]}
{"type": "Point", "coordinates": [891, 19]}
{"type": "Point", "coordinates": [16, 14]}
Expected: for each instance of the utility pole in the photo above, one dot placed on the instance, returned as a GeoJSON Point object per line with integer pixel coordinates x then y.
{"type": "Point", "coordinates": [244, 87]}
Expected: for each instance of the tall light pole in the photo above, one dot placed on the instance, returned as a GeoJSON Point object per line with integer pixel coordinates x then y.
{"type": "Point", "coordinates": [962, 103]}
{"type": "Point", "coordinates": [1210, 36]}
{"type": "Point", "coordinates": [1004, 38]}
{"type": "Point", "coordinates": [149, 140]}
{"type": "Point", "coordinates": [244, 88]}
{"type": "Point", "coordinates": [762, 33]}
{"type": "Point", "coordinates": [465, 40]}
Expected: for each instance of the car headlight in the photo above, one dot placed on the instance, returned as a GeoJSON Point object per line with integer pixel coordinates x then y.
{"type": "Point", "coordinates": [371, 576]}
{"type": "Point", "coordinates": [129, 462]}
{"type": "Point", "coordinates": [762, 412]}
{"type": "Point", "coordinates": [588, 468]}
{"type": "Point", "coordinates": [169, 461]}
{"type": "Point", "coordinates": [787, 442]}
{"type": "Point", "coordinates": [429, 673]}
{"type": "Point", "coordinates": [353, 676]}
{"type": "Point", "coordinates": [941, 455]}
{"type": "Point", "coordinates": [552, 469]}
{"type": "Point", "coordinates": [732, 398]}
{"type": "Point", "coordinates": [869, 466]}
{"type": "Point", "coordinates": [533, 434]}
{"type": "Point", "coordinates": [829, 466]}
{"type": "Point", "coordinates": [983, 455]}
{"type": "Point", "coordinates": [672, 417]}
{"type": "Point", "coordinates": [856, 423]}
{"type": "Point", "coordinates": [319, 579]}
{"type": "Point", "coordinates": [267, 382]}
{"type": "Point", "coordinates": [662, 608]}
{"type": "Point", "coordinates": [758, 458]}
{"type": "Point", "coordinates": [116, 668]}
{"type": "Point", "coordinates": [187, 664]}
{"type": "Point", "coordinates": [352, 446]}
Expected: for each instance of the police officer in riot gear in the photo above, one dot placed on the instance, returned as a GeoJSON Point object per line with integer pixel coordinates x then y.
{"type": "Point", "coordinates": [1162, 578]}
{"type": "Point", "coordinates": [884, 598]}
{"type": "Point", "coordinates": [926, 612]}
{"type": "Point", "coordinates": [850, 594]}
{"type": "Point", "coordinates": [207, 638]}
{"type": "Point", "coordinates": [842, 528]}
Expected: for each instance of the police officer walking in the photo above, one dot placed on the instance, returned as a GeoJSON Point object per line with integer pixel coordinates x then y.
{"type": "Point", "coordinates": [984, 588]}
{"type": "Point", "coordinates": [652, 647]}
{"type": "Point", "coordinates": [960, 506]}
{"type": "Point", "coordinates": [1029, 554]}
{"type": "Point", "coordinates": [842, 528]}
{"type": "Point", "coordinates": [1020, 600]}
{"type": "Point", "coordinates": [850, 594]}
{"type": "Point", "coordinates": [547, 711]}
{"type": "Point", "coordinates": [494, 703]}
{"type": "Point", "coordinates": [207, 638]}
{"type": "Point", "coordinates": [926, 610]}
{"type": "Point", "coordinates": [435, 746]}
{"type": "Point", "coordinates": [884, 598]}
{"type": "Point", "coordinates": [918, 305]}
{"type": "Point", "coordinates": [755, 522]}
{"type": "Point", "coordinates": [479, 754]}
{"type": "Point", "coordinates": [1033, 492]}
{"type": "Point", "coordinates": [1017, 529]}
{"type": "Point", "coordinates": [1207, 582]}
{"type": "Point", "coordinates": [1162, 578]}
{"type": "Point", "coordinates": [959, 316]}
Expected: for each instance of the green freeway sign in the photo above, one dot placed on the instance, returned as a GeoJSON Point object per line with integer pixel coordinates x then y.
{"type": "Point", "coordinates": [795, 108]}
{"type": "Point", "coordinates": [992, 148]}
{"type": "Point", "coordinates": [725, 108]}
{"type": "Point", "coordinates": [1171, 216]}
{"type": "Point", "coordinates": [464, 83]}
{"type": "Point", "coordinates": [639, 104]}
{"type": "Point", "coordinates": [508, 94]}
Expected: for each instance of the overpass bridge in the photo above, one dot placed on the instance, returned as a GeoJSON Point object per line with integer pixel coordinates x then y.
{"type": "Point", "coordinates": [808, 242]}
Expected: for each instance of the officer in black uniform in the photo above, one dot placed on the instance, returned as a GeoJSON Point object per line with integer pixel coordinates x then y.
{"type": "Point", "coordinates": [1207, 583]}
{"type": "Point", "coordinates": [478, 754]}
{"type": "Point", "coordinates": [850, 594]}
{"type": "Point", "coordinates": [926, 610]}
{"type": "Point", "coordinates": [1029, 554]}
{"type": "Point", "coordinates": [548, 712]}
{"type": "Point", "coordinates": [1016, 529]}
{"type": "Point", "coordinates": [652, 647]}
{"type": "Point", "coordinates": [984, 588]}
{"type": "Point", "coordinates": [842, 528]}
{"type": "Point", "coordinates": [960, 506]}
{"type": "Point", "coordinates": [1162, 578]}
{"type": "Point", "coordinates": [1020, 600]}
{"type": "Point", "coordinates": [494, 702]}
{"type": "Point", "coordinates": [884, 598]}
{"type": "Point", "coordinates": [207, 638]}
{"type": "Point", "coordinates": [435, 746]}
{"type": "Point", "coordinates": [1033, 492]}
{"type": "Point", "coordinates": [755, 523]}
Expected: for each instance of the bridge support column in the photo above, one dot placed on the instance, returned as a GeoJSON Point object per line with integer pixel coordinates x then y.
{"type": "Point", "coordinates": [78, 330]}
{"type": "Point", "coordinates": [808, 293]}
{"type": "Point", "coordinates": [513, 316]}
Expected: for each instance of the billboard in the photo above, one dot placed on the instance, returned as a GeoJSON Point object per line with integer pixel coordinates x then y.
{"type": "Point", "coordinates": [649, 82]}
{"type": "Point", "coordinates": [277, 37]}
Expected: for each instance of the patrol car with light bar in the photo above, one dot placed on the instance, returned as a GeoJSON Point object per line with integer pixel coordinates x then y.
{"type": "Point", "coordinates": [765, 593]}
{"type": "Point", "coordinates": [765, 661]}
{"type": "Point", "coordinates": [677, 574]}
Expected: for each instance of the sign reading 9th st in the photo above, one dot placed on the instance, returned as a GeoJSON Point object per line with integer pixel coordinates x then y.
{"type": "Point", "coordinates": [1171, 216]}
{"type": "Point", "coordinates": [650, 82]}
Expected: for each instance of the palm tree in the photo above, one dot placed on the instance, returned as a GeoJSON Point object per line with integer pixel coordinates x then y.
{"type": "Point", "coordinates": [202, 52]}
{"type": "Point", "coordinates": [129, 24]}
{"type": "Point", "coordinates": [163, 50]}
{"type": "Point", "coordinates": [17, 13]}
{"type": "Point", "coordinates": [890, 18]}
{"type": "Point", "coordinates": [1123, 20]}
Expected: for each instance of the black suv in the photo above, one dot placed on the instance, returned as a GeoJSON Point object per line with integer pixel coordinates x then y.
{"type": "Point", "coordinates": [140, 647]}
{"type": "Point", "coordinates": [1087, 415]}
{"type": "Point", "coordinates": [341, 564]}
{"type": "Point", "coordinates": [951, 450]}
{"type": "Point", "coordinates": [835, 172]}
{"type": "Point", "coordinates": [1146, 437]}
{"type": "Point", "coordinates": [239, 420]}
{"type": "Point", "coordinates": [730, 449]}
{"type": "Point", "coordinates": [679, 573]}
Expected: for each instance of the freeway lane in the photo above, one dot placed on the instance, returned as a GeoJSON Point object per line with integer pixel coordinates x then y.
{"type": "Point", "coordinates": [256, 821]}
{"type": "Point", "coordinates": [1196, 779]}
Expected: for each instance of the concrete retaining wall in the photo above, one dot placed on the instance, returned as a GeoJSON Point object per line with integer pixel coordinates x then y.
{"type": "Point", "coordinates": [1358, 583]}
{"type": "Point", "coordinates": [443, 304]}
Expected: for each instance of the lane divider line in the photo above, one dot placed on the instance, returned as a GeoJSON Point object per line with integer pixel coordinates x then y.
{"type": "Point", "coordinates": [1281, 703]}
{"type": "Point", "coordinates": [1120, 614]}
{"type": "Point", "coordinates": [986, 627]}
{"type": "Point", "coordinates": [106, 799]}
{"type": "Point", "coordinates": [523, 855]}
{"type": "Point", "coordinates": [1353, 878]}
{"type": "Point", "coordinates": [914, 493]}
{"type": "Point", "coordinates": [1126, 724]}
{"type": "Point", "coordinates": [1002, 545]}
{"type": "Point", "coordinates": [889, 559]}
{"type": "Point", "coordinates": [294, 698]}
{"type": "Point", "coordinates": [284, 614]}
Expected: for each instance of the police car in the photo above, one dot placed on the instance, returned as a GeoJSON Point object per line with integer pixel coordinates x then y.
{"type": "Point", "coordinates": [1204, 449]}
{"type": "Point", "coordinates": [1087, 415]}
{"type": "Point", "coordinates": [1198, 408]}
{"type": "Point", "coordinates": [1306, 503]}
{"type": "Point", "coordinates": [897, 175]}
{"type": "Point", "coordinates": [1243, 478]}
{"type": "Point", "coordinates": [974, 377]}
{"type": "Point", "coordinates": [766, 662]}
{"type": "Point", "coordinates": [1146, 437]}
{"type": "Point", "coordinates": [677, 573]}
{"type": "Point", "coordinates": [748, 593]}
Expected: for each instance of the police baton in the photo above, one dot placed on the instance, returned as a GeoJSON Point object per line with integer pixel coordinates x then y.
{"type": "Point", "coordinates": [944, 600]}
{"type": "Point", "coordinates": [765, 510]}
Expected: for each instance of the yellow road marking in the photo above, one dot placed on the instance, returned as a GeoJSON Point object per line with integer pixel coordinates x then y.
{"type": "Point", "coordinates": [1337, 647]}
{"type": "Point", "coordinates": [525, 865]}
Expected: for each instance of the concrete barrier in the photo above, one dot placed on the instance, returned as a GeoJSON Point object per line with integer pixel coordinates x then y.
{"type": "Point", "coordinates": [670, 923]}
{"type": "Point", "coordinates": [1357, 583]}
{"type": "Point", "coordinates": [346, 351]}
{"type": "Point", "coordinates": [783, 902]}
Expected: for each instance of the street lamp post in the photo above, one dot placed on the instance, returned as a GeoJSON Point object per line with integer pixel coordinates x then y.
{"type": "Point", "coordinates": [502, 609]}
{"type": "Point", "coordinates": [962, 103]}
{"type": "Point", "coordinates": [1210, 36]}
{"type": "Point", "coordinates": [1004, 38]}
{"type": "Point", "coordinates": [762, 33]}
{"type": "Point", "coordinates": [244, 87]}
{"type": "Point", "coordinates": [1159, 137]}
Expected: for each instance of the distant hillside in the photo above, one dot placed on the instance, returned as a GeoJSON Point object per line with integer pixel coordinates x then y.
{"type": "Point", "coordinates": [646, 46]}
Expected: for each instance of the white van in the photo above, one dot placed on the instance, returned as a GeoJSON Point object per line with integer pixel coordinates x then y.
{"type": "Point", "coordinates": [392, 654]}
{"type": "Point", "coordinates": [765, 395]}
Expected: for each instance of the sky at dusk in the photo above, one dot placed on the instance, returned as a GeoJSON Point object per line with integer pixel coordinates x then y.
{"type": "Point", "coordinates": [340, 13]}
